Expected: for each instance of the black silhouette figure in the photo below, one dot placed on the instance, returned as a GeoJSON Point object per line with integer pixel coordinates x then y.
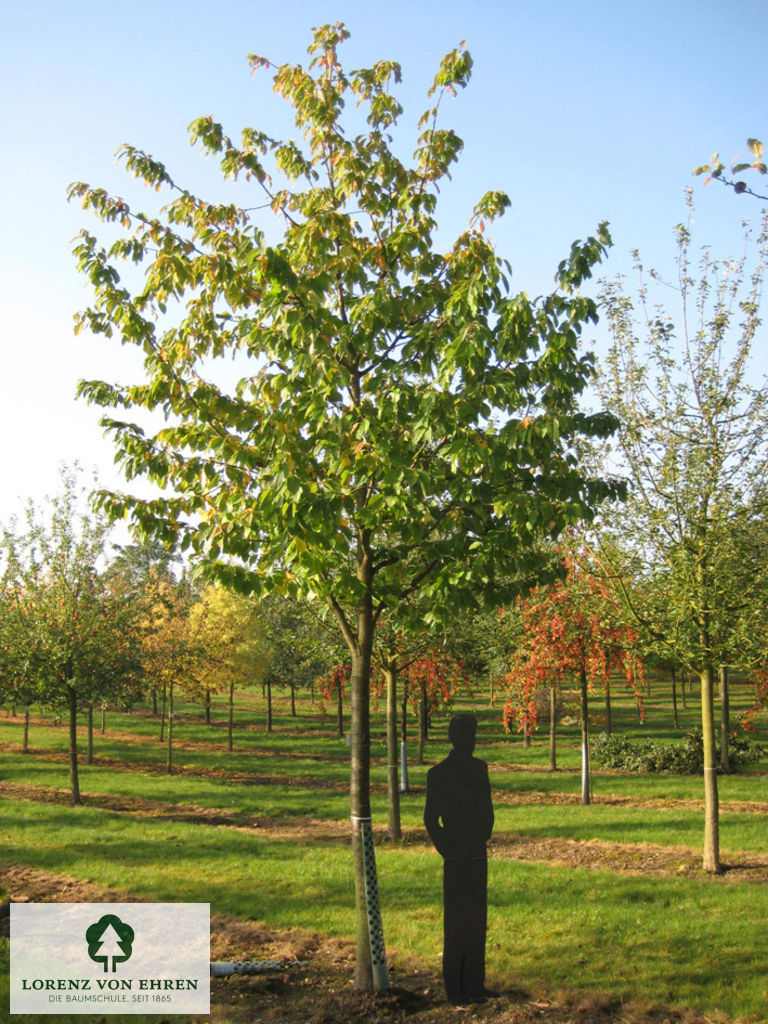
{"type": "Point", "coordinates": [459, 818]}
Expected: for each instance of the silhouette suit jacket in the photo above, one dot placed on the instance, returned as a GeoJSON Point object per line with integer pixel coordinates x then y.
{"type": "Point", "coordinates": [459, 813]}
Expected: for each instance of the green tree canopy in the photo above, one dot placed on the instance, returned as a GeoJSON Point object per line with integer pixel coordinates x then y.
{"type": "Point", "coordinates": [71, 631]}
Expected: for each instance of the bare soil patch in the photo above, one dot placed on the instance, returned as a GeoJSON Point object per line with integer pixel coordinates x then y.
{"type": "Point", "coordinates": [321, 992]}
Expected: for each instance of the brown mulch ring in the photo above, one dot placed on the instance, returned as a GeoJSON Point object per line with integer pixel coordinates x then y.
{"type": "Point", "coordinates": [321, 991]}
{"type": "Point", "coordinates": [595, 854]}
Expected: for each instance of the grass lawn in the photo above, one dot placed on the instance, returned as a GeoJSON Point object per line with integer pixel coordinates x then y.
{"type": "Point", "coordinates": [658, 937]}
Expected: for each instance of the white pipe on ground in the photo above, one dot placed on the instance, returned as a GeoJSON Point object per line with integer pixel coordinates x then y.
{"type": "Point", "coordinates": [223, 969]}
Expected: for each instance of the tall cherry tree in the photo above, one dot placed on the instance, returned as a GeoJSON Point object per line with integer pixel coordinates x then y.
{"type": "Point", "coordinates": [402, 424]}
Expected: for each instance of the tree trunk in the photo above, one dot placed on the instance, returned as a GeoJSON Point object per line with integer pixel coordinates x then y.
{"type": "Point", "coordinates": [293, 699]}
{"type": "Point", "coordinates": [207, 706]}
{"type": "Point", "coordinates": [73, 774]}
{"type": "Point", "coordinates": [403, 767]}
{"type": "Point", "coordinates": [584, 706]}
{"type": "Point", "coordinates": [404, 738]}
{"type": "Point", "coordinates": [553, 729]}
{"type": "Point", "coordinates": [608, 714]}
{"type": "Point", "coordinates": [231, 720]}
{"type": "Point", "coordinates": [526, 732]}
{"type": "Point", "coordinates": [675, 719]}
{"type": "Point", "coordinates": [422, 724]}
{"type": "Point", "coordinates": [711, 813]}
{"type": "Point", "coordinates": [370, 961]}
{"type": "Point", "coordinates": [154, 700]}
{"type": "Point", "coordinates": [103, 719]}
{"type": "Point", "coordinates": [90, 734]}
{"type": "Point", "coordinates": [339, 710]}
{"type": "Point", "coordinates": [269, 705]}
{"type": "Point", "coordinates": [25, 742]}
{"type": "Point", "coordinates": [169, 762]}
{"type": "Point", "coordinates": [162, 717]}
{"type": "Point", "coordinates": [393, 793]}
{"type": "Point", "coordinates": [725, 719]}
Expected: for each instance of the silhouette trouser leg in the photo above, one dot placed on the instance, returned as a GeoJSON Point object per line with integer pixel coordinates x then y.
{"type": "Point", "coordinates": [465, 896]}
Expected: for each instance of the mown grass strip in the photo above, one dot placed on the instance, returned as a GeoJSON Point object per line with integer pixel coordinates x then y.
{"type": "Point", "coordinates": [678, 941]}
{"type": "Point", "coordinates": [673, 826]}
{"type": "Point", "coordinates": [327, 761]}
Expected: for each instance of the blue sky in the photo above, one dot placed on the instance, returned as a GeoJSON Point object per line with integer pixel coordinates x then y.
{"type": "Point", "coordinates": [580, 112]}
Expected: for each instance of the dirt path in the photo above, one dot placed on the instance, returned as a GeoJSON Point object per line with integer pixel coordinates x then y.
{"type": "Point", "coordinates": [320, 992]}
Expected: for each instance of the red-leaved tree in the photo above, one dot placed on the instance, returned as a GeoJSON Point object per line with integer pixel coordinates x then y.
{"type": "Point", "coordinates": [571, 627]}
{"type": "Point", "coordinates": [420, 675]}
{"type": "Point", "coordinates": [333, 687]}
{"type": "Point", "coordinates": [430, 682]}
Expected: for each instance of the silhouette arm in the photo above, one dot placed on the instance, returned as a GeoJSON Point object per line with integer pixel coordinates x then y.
{"type": "Point", "coordinates": [432, 817]}
{"type": "Point", "coordinates": [487, 803]}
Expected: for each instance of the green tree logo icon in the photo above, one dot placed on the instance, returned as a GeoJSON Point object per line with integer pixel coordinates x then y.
{"type": "Point", "coordinates": [109, 939]}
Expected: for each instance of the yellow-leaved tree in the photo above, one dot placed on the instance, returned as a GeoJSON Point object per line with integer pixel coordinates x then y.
{"type": "Point", "coordinates": [167, 650]}
{"type": "Point", "coordinates": [230, 647]}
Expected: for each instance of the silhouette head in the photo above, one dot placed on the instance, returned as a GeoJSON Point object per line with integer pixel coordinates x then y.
{"type": "Point", "coordinates": [461, 732]}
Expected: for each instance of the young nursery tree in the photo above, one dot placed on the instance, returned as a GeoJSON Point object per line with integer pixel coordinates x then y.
{"type": "Point", "coordinates": [299, 644]}
{"type": "Point", "coordinates": [694, 441]}
{"type": "Point", "coordinates": [18, 685]}
{"type": "Point", "coordinates": [168, 651]}
{"type": "Point", "coordinates": [429, 677]}
{"type": "Point", "coordinates": [75, 631]}
{"type": "Point", "coordinates": [574, 626]}
{"type": "Point", "coordinates": [227, 633]}
{"type": "Point", "coordinates": [402, 424]}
